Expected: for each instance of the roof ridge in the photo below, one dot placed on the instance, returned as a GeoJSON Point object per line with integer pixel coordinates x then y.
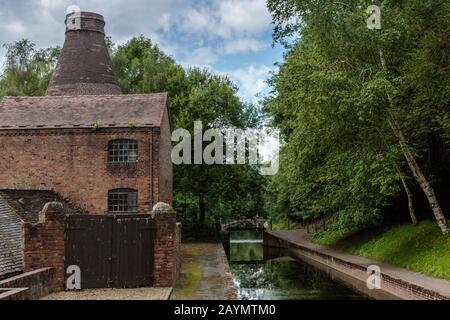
{"type": "Point", "coordinates": [96, 95]}
{"type": "Point", "coordinates": [83, 111]}
{"type": "Point", "coordinates": [25, 189]}
{"type": "Point", "coordinates": [163, 110]}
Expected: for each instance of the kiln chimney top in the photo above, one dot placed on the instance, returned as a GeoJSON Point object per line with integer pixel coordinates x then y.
{"type": "Point", "coordinates": [84, 66]}
{"type": "Point", "coordinates": [85, 21]}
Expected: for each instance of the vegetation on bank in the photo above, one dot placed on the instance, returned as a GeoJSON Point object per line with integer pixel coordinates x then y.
{"type": "Point", "coordinates": [364, 114]}
{"type": "Point", "coordinates": [420, 248]}
{"type": "Point", "coordinates": [284, 224]}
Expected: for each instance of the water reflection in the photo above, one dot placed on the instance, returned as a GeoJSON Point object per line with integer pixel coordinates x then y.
{"type": "Point", "coordinates": [246, 246]}
{"type": "Point", "coordinates": [279, 279]}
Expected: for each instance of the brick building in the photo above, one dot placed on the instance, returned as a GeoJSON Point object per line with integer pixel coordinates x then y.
{"type": "Point", "coordinates": [106, 152]}
{"type": "Point", "coordinates": [86, 150]}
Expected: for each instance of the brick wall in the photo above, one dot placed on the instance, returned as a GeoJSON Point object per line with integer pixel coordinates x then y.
{"type": "Point", "coordinates": [28, 286]}
{"type": "Point", "coordinates": [177, 251]}
{"type": "Point", "coordinates": [166, 247]}
{"type": "Point", "coordinates": [74, 163]}
{"type": "Point", "coordinates": [44, 244]}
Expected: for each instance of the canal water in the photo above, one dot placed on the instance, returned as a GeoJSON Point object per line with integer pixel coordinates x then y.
{"type": "Point", "coordinates": [277, 279]}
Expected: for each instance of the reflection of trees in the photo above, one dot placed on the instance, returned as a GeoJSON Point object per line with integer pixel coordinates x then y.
{"type": "Point", "coordinates": [277, 279]}
{"type": "Point", "coordinates": [246, 252]}
{"type": "Point", "coordinates": [246, 234]}
{"type": "Point", "coordinates": [285, 279]}
{"type": "Point", "coordinates": [253, 280]}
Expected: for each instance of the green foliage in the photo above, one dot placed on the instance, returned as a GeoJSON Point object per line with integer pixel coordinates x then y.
{"type": "Point", "coordinates": [329, 98]}
{"type": "Point", "coordinates": [142, 67]}
{"type": "Point", "coordinates": [27, 71]}
{"type": "Point", "coordinates": [202, 192]}
{"type": "Point", "coordinates": [96, 127]}
{"type": "Point", "coordinates": [420, 248]}
{"type": "Point", "coordinates": [132, 124]}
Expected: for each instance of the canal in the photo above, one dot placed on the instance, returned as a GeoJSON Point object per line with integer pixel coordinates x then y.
{"type": "Point", "coordinates": [282, 278]}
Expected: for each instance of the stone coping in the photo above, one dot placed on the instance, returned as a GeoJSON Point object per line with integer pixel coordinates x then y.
{"type": "Point", "coordinates": [420, 285]}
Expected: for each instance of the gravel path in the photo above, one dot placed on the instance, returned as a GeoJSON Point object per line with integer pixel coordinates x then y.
{"type": "Point", "coordinates": [113, 294]}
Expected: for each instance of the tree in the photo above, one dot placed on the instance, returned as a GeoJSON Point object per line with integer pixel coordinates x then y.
{"type": "Point", "coordinates": [27, 71]}
{"type": "Point", "coordinates": [195, 94]}
{"type": "Point", "coordinates": [349, 117]}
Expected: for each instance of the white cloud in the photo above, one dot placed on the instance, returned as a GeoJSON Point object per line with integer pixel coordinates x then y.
{"type": "Point", "coordinates": [196, 33]}
{"type": "Point", "coordinates": [169, 47]}
{"type": "Point", "coordinates": [248, 17]}
{"type": "Point", "coordinates": [227, 26]}
{"type": "Point", "coordinates": [243, 45]}
{"type": "Point", "coordinates": [251, 80]}
{"type": "Point", "coordinates": [204, 56]}
{"type": "Point", "coordinates": [15, 27]}
{"type": "Point", "coordinates": [165, 22]}
{"type": "Point", "coordinates": [238, 23]}
{"type": "Point", "coordinates": [197, 21]}
{"type": "Point", "coordinates": [43, 20]}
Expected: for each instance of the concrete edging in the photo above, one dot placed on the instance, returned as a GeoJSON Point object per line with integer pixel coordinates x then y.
{"type": "Point", "coordinates": [353, 275]}
{"type": "Point", "coordinates": [232, 290]}
{"type": "Point", "coordinates": [14, 294]}
{"type": "Point", "coordinates": [28, 286]}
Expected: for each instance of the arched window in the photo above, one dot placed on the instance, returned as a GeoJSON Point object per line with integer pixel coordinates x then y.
{"type": "Point", "coordinates": [123, 201]}
{"type": "Point", "coordinates": [123, 151]}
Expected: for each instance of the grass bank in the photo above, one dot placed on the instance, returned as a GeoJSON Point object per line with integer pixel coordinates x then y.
{"type": "Point", "coordinates": [419, 248]}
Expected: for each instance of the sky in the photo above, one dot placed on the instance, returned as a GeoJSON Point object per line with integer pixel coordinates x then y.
{"type": "Point", "coordinates": [232, 37]}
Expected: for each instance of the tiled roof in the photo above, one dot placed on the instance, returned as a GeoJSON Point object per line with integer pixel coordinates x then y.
{"type": "Point", "coordinates": [28, 203]}
{"type": "Point", "coordinates": [11, 245]}
{"type": "Point", "coordinates": [49, 112]}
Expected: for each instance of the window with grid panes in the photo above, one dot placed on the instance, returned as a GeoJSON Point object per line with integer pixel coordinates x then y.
{"type": "Point", "coordinates": [123, 201]}
{"type": "Point", "coordinates": [123, 151]}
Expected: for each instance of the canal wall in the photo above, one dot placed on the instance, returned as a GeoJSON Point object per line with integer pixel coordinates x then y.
{"type": "Point", "coordinates": [351, 271]}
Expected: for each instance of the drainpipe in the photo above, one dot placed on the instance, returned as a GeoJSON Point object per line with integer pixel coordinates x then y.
{"type": "Point", "coordinates": [151, 170]}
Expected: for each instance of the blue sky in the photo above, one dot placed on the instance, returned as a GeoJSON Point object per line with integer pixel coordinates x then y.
{"type": "Point", "coordinates": [227, 36]}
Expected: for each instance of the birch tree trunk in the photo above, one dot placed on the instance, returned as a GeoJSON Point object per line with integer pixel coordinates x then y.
{"type": "Point", "coordinates": [414, 166]}
{"type": "Point", "coordinates": [409, 194]}
{"type": "Point", "coordinates": [419, 176]}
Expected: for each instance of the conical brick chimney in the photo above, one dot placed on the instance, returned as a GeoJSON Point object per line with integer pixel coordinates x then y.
{"type": "Point", "coordinates": [84, 66]}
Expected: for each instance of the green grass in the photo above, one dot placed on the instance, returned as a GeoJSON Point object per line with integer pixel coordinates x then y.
{"type": "Point", "coordinates": [419, 248]}
{"type": "Point", "coordinates": [283, 224]}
